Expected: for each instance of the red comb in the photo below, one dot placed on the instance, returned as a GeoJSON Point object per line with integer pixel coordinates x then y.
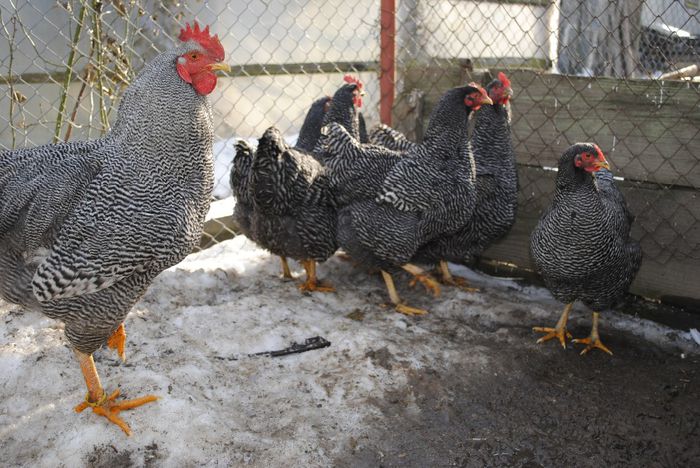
{"type": "Point", "coordinates": [503, 79]}
{"type": "Point", "coordinates": [352, 79]}
{"type": "Point", "coordinates": [210, 43]}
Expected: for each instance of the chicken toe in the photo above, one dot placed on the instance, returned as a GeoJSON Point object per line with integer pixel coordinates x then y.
{"type": "Point", "coordinates": [109, 408]}
{"type": "Point", "coordinates": [447, 278]}
{"type": "Point", "coordinates": [593, 340]}
{"type": "Point", "coordinates": [312, 283]}
{"type": "Point", "coordinates": [559, 331]}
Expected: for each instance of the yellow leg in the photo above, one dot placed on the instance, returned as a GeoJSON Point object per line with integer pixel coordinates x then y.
{"type": "Point", "coordinates": [98, 400]}
{"type": "Point", "coordinates": [117, 341]}
{"type": "Point", "coordinates": [312, 283]}
{"type": "Point", "coordinates": [286, 272]}
{"type": "Point", "coordinates": [559, 331]}
{"type": "Point", "coordinates": [421, 276]}
{"type": "Point", "coordinates": [396, 300]}
{"type": "Point", "coordinates": [446, 277]}
{"type": "Point", "coordinates": [593, 340]}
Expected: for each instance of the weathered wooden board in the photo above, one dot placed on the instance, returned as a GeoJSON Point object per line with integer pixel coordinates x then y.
{"type": "Point", "coordinates": [649, 130]}
{"type": "Point", "coordinates": [666, 225]}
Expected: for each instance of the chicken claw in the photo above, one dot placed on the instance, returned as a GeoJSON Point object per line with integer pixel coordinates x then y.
{"type": "Point", "coordinates": [593, 340]}
{"type": "Point", "coordinates": [425, 279]}
{"type": "Point", "coordinates": [559, 331]}
{"type": "Point", "coordinates": [107, 407]}
{"type": "Point", "coordinates": [447, 278]}
{"type": "Point", "coordinates": [408, 310]}
{"type": "Point", "coordinates": [312, 283]}
{"type": "Point", "coordinates": [315, 286]}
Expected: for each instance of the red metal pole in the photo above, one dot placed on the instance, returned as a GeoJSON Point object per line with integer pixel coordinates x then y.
{"type": "Point", "coordinates": [387, 60]}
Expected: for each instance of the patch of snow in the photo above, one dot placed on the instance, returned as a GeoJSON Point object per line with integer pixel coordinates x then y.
{"type": "Point", "coordinates": [189, 341]}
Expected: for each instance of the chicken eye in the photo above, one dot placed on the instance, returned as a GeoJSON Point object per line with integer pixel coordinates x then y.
{"type": "Point", "coordinates": [194, 56]}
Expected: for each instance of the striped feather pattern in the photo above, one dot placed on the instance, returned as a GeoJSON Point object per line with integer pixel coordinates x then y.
{"type": "Point", "coordinates": [86, 226]}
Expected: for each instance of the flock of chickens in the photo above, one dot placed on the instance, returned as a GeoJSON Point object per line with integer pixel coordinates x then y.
{"type": "Point", "coordinates": [86, 226]}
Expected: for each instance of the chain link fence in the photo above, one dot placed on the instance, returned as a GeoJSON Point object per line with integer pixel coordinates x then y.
{"type": "Point", "coordinates": [581, 71]}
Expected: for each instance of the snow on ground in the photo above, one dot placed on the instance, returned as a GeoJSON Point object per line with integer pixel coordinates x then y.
{"type": "Point", "coordinates": [189, 339]}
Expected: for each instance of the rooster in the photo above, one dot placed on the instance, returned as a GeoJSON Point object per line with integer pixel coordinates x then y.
{"type": "Point", "coordinates": [496, 187]}
{"type": "Point", "coordinates": [291, 208]}
{"type": "Point", "coordinates": [391, 203]}
{"type": "Point", "coordinates": [581, 245]}
{"type": "Point", "coordinates": [86, 226]}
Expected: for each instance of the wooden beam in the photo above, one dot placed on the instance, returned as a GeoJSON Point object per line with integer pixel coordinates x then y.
{"type": "Point", "coordinates": [236, 71]}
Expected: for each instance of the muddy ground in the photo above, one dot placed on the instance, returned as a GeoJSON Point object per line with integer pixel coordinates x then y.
{"type": "Point", "coordinates": [465, 385]}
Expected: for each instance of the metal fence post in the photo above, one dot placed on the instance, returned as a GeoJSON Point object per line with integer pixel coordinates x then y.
{"type": "Point", "coordinates": [387, 63]}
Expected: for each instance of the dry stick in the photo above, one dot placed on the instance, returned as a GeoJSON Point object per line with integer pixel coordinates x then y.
{"type": "Point", "coordinates": [69, 73]}
{"type": "Point", "coordinates": [71, 121]}
{"type": "Point", "coordinates": [9, 80]}
{"type": "Point", "coordinates": [97, 44]}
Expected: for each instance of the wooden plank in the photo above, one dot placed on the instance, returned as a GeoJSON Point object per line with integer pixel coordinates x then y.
{"type": "Point", "coordinates": [650, 130]}
{"type": "Point", "coordinates": [667, 226]}
{"type": "Point", "coordinates": [253, 69]}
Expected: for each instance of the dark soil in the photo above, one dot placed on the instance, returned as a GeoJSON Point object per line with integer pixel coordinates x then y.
{"type": "Point", "coordinates": [541, 405]}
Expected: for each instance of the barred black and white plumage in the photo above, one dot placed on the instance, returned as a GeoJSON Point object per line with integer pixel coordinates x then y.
{"type": "Point", "coordinates": [496, 184]}
{"type": "Point", "coordinates": [87, 225]}
{"type": "Point", "coordinates": [384, 135]}
{"type": "Point", "coordinates": [288, 205]}
{"type": "Point", "coordinates": [581, 245]}
{"type": "Point", "coordinates": [390, 204]}
{"type": "Point", "coordinates": [244, 214]}
{"type": "Point", "coordinates": [295, 211]}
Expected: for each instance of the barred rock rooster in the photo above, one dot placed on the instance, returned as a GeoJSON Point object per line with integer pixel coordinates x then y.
{"type": "Point", "coordinates": [581, 245]}
{"type": "Point", "coordinates": [244, 214]}
{"type": "Point", "coordinates": [292, 208]}
{"type": "Point", "coordinates": [496, 187]}
{"type": "Point", "coordinates": [85, 226]}
{"type": "Point", "coordinates": [392, 203]}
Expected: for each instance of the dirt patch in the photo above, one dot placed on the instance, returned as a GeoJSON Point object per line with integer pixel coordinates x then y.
{"type": "Point", "coordinates": [541, 406]}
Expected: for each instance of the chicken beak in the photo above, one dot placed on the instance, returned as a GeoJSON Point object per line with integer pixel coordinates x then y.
{"type": "Point", "coordinates": [602, 165]}
{"type": "Point", "coordinates": [508, 93]}
{"type": "Point", "coordinates": [486, 100]}
{"type": "Point", "coordinates": [220, 66]}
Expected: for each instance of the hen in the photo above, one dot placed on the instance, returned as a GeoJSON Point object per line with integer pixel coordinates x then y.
{"type": "Point", "coordinates": [581, 245]}
{"type": "Point", "coordinates": [292, 210]}
{"type": "Point", "coordinates": [391, 203]}
{"type": "Point", "coordinates": [496, 187]}
{"type": "Point", "coordinates": [86, 226]}
{"type": "Point", "coordinates": [244, 214]}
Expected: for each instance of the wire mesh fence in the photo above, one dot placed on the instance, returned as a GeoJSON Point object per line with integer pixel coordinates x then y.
{"type": "Point", "coordinates": [581, 71]}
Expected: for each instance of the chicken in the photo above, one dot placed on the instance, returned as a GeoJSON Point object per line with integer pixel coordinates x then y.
{"type": "Point", "coordinates": [85, 226]}
{"type": "Point", "coordinates": [384, 135]}
{"type": "Point", "coordinates": [292, 210]}
{"type": "Point", "coordinates": [240, 177]}
{"type": "Point", "coordinates": [581, 245]}
{"type": "Point", "coordinates": [496, 187]}
{"type": "Point", "coordinates": [391, 203]}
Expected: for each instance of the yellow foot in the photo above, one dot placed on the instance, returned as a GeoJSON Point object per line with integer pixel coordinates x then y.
{"type": "Point", "coordinates": [558, 332]}
{"type": "Point", "coordinates": [110, 409]}
{"type": "Point", "coordinates": [317, 286]}
{"type": "Point", "coordinates": [408, 310]}
{"type": "Point", "coordinates": [430, 284]}
{"type": "Point", "coordinates": [458, 282]}
{"type": "Point", "coordinates": [117, 341]}
{"type": "Point", "coordinates": [592, 342]}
